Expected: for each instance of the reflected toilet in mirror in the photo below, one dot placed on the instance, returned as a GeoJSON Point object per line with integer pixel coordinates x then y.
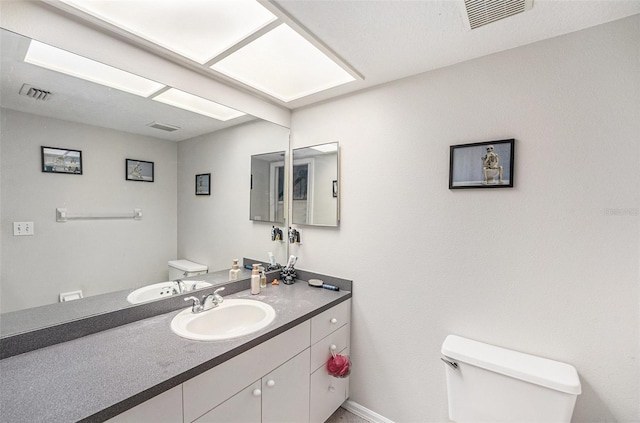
{"type": "Point", "coordinates": [315, 185]}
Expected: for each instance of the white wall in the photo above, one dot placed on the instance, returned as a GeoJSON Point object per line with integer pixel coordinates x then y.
{"type": "Point", "coordinates": [550, 267]}
{"type": "Point", "coordinates": [97, 256]}
{"type": "Point", "coordinates": [226, 155]}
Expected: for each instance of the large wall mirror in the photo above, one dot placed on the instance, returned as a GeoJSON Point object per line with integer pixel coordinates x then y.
{"type": "Point", "coordinates": [315, 185]}
{"type": "Point", "coordinates": [108, 258]}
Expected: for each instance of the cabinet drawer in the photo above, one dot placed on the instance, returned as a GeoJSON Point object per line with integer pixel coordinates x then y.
{"type": "Point", "coordinates": [327, 394]}
{"type": "Point", "coordinates": [321, 351]}
{"type": "Point", "coordinates": [205, 391]}
{"type": "Point", "coordinates": [330, 320]}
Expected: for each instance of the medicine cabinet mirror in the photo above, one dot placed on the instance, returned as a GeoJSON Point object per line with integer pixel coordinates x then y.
{"type": "Point", "coordinates": [315, 185]}
{"type": "Point", "coordinates": [268, 187]}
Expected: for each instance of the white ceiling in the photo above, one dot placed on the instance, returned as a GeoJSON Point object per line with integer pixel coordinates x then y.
{"type": "Point", "coordinates": [382, 40]}
{"type": "Point", "coordinates": [392, 39]}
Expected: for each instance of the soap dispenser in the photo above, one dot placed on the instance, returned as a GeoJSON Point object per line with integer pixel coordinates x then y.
{"type": "Point", "coordinates": [255, 279]}
{"type": "Point", "coordinates": [235, 271]}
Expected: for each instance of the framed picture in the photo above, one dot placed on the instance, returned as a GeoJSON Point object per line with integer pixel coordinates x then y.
{"type": "Point", "coordinates": [203, 184]}
{"type": "Point", "coordinates": [482, 165]}
{"type": "Point", "coordinates": [139, 170]}
{"type": "Point", "coordinates": [335, 189]}
{"type": "Point", "coordinates": [61, 160]}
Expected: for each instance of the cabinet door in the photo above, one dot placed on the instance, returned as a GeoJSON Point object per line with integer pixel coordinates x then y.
{"type": "Point", "coordinates": [244, 407]}
{"type": "Point", "coordinates": [327, 394]}
{"type": "Point", "coordinates": [164, 408]}
{"type": "Point", "coordinates": [285, 392]}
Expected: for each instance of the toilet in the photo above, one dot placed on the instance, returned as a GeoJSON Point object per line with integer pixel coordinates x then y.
{"type": "Point", "coordinates": [179, 269]}
{"type": "Point", "coordinates": [490, 384]}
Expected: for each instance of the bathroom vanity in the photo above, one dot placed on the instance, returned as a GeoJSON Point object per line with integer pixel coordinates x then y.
{"type": "Point", "coordinates": [142, 371]}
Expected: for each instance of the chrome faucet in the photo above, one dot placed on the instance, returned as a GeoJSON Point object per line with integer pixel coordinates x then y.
{"type": "Point", "coordinates": [208, 301]}
{"type": "Point", "coordinates": [180, 286]}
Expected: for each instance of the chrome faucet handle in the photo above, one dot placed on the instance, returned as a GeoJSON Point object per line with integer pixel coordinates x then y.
{"type": "Point", "coordinates": [212, 300]}
{"type": "Point", "coordinates": [216, 297]}
{"type": "Point", "coordinates": [196, 307]}
{"type": "Point", "coordinates": [181, 286]}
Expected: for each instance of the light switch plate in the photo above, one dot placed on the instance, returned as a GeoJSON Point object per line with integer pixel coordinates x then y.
{"type": "Point", "coordinates": [22, 228]}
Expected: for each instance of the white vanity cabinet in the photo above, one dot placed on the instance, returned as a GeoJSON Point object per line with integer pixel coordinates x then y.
{"type": "Point", "coordinates": [330, 331]}
{"type": "Point", "coordinates": [280, 396]}
{"type": "Point", "coordinates": [281, 380]}
{"type": "Point", "coordinates": [206, 391]}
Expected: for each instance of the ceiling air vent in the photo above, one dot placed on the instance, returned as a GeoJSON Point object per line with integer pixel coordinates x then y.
{"type": "Point", "coordinates": [163, 126]}
{"type": "Point", "coordinates": [482, 12]}
{"type": "Point", "coordinates": [35, 93]}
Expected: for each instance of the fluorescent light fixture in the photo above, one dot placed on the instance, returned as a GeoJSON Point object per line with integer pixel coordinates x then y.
{"type": "Point", "coordinates": [283, 64]}
{"type": "Point", "coordinates": [196, 29]}
{"type": "Point", "coordinates": [326, 148]}
{"type": "Point", "coordinates": [193, 103]}
{"type": "Point", "coordinates": [62, 61]}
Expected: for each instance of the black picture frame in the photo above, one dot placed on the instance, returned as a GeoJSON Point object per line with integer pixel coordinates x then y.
{"type": "Point", "coordinates": [61, 160]}
{"type": "Point", "coordinates": [139, 170]}
{"type": "Point", "coordinates": [488, 164]}
{"type": "Point", "coordinates": [203, 184]}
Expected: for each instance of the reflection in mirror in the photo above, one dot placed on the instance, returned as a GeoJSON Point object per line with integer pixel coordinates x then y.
{"type": "Point", "coordinates": [315, 185]}
{"type": "Point", "coordinates": [107, 259]}
{"type": "Point", "coordinates": [267, 187]}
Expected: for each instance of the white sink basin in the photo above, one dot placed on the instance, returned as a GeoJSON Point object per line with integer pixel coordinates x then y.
{"type": "Point", "coordinates": [157, 291]}
{"type": "Point", "coordinates": [231, 319]}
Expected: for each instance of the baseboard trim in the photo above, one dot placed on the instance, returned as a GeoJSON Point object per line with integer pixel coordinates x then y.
{"type": "Point", "coordinates": [365, 413]}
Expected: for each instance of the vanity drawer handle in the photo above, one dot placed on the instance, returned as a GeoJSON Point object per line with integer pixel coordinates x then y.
{"type": "Point", "coordinates": [271, 383]}
{"type": "Point", "coordinates": [257, 392]}
{"type": "Point", "coordinates": [334, 321]}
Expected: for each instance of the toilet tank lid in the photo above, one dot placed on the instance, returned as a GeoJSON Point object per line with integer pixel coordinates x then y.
{"type": "Point", "coordinates": [541, 371]}
{"type": "Point", "coordinates": [187, 266]}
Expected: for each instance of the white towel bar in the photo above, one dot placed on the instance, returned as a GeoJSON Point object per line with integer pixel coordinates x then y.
{"type": "Point", "coordinates": [62, 215]}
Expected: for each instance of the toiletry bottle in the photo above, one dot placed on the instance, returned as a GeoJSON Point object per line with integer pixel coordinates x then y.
{"type": "Point", "coordinates": [263, 278]}
{"type": "Point", "coordinates": [255, 279]}
{"type": "Point", "coordinates": [235, 271]}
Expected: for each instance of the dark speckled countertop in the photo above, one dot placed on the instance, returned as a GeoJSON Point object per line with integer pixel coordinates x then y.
{"type": "Point", "coordinates": [98, 376]}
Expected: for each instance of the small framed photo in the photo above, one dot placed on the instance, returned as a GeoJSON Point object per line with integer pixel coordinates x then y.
{"type": "Point", "coordinates": [203, 184]}
{"type": "Point", "coordinates": [335, 189]}
{"type": "Point", "coordinates": [139, 170]}
{"type": "Point", "coordinates": [482, 165]}
{"type": "Point", "coordinates": [61, 160]}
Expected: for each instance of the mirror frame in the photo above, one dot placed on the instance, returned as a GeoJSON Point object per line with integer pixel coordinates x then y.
{"type": "Point", "coordinates": [336, 187]}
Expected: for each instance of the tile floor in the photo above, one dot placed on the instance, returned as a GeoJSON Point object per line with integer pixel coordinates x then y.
{"type": "Point", "coordinates": [343, 416]}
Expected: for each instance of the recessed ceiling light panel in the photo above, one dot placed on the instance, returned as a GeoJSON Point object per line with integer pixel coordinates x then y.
{"type": "Point", "coordinates": [196, 29]}
{"type": "Point", "coordinates": [193, 103]}
{"type": "Point", "coordinates": [63, 61]}
{"type": "Point", "coordinates": [284, 65]}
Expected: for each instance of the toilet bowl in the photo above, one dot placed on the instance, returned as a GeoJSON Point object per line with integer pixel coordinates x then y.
{"type": "Point", "coordinates": [491, 384]}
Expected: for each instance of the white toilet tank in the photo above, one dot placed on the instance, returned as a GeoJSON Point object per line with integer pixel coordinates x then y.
{"type": "Point", "coordinates": [490, 384]}
{"type": "Point", "coordinates": [179, 269]}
